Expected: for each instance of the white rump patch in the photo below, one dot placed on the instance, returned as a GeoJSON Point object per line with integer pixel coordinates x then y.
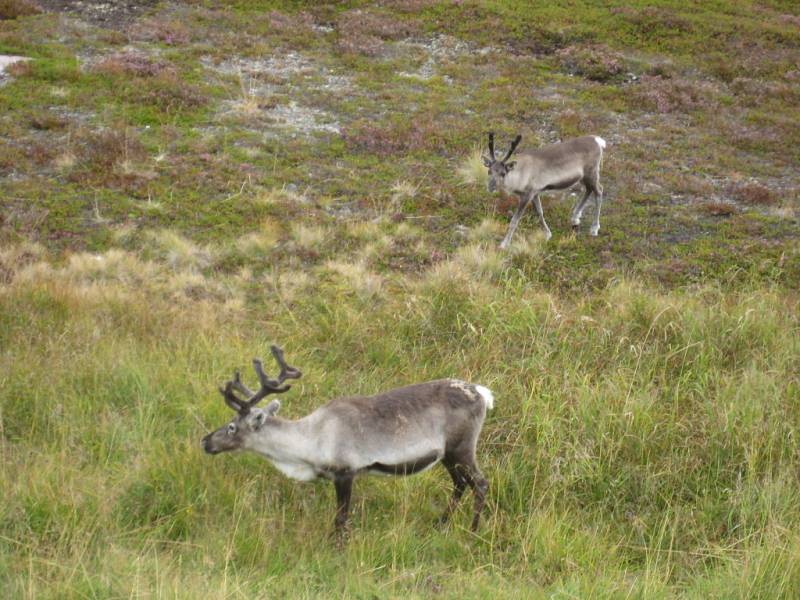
{"type": "Point", "coordinates": [469, 389]}
{"type": "Point", "coordinates": [487, 396]}
{"type": "Point", "coordinates": [600, 142]}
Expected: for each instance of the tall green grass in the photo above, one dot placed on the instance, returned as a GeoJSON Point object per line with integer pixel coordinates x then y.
{"type": "Point", "coordinates": [643, 444]}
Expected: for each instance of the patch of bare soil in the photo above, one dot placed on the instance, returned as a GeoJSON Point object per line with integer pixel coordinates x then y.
{"type": "Point", "coordinates": [114, 15]}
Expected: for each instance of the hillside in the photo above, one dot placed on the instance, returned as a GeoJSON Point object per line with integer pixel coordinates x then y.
{"type": "Point", "coordinates": [184, 183]}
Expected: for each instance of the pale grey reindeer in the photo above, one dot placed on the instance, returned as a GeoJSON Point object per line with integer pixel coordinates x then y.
{"type": "Point", "coordinates": [553, 167]}
{"type": "Point", "coordinates": [400, 432]}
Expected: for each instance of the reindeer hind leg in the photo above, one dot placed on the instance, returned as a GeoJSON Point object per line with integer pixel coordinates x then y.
{"type": "Point", "coordinates": [577, 211]}
{"type": "Point", "coordinates": [592, 183]}
{"type": "Point", "coordinates": [598, 202]}
{"type": "Point", "coordinates": [459, 485]}
{"type": "Point", "coordinates": [480, 487]}
{"type": "Point", "coordinates": [465, 472]}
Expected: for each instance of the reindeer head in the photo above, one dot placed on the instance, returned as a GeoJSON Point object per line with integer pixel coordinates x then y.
{"type": "Point", "coordinates": [249, 419]}
{"type": "Point", "coordinates": [498, 169]}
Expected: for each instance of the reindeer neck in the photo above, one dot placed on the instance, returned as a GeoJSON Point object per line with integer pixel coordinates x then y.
{"type": "Point", "coordinates": [289, 445]}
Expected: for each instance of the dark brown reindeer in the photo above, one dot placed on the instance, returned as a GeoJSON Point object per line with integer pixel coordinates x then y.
{"type": "Point", "coordinates": [553, 167]}
{"type": "Point", "coordinates": [400, 432]}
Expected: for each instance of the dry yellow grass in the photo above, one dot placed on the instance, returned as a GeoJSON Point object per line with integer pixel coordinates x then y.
{"type": "Point", "coordinates": [179, 251]}
{"type": "Point", "coordinates": [359, 279]}
{"type": "Point", "coordinates": [472, 171]}
{"type": "Point", "coordinates": [308, 237]}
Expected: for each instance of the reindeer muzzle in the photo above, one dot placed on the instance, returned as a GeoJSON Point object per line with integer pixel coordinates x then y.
{"type": "Point", "coordinates": [206, 444]}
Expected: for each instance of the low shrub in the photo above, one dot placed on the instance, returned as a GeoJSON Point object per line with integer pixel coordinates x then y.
{"type": "Point", "coordinates": [753, 193]}
{"type": "Point", "coordinates": [674, 94]}
{"type": "Point", "coordinates": [133, 63]}
{"type": "Point", "coordinates": [11, 9]}
{"type": "Point", "coordinates": [596, 62]}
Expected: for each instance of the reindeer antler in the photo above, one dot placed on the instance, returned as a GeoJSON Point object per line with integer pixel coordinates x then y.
{"type": "Point", "coordinates": [491, 145]}
{"type": "Point", "coordinates": [268, 386]}
{"type": "Point", "coordinates": [514, 145]}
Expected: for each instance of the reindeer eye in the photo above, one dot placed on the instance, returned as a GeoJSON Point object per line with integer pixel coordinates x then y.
{"type": "Point", "coordinates": [231, 429]}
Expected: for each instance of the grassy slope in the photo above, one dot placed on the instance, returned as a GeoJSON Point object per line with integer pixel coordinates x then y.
{"type": "Point", "coordinates": [159, 228]}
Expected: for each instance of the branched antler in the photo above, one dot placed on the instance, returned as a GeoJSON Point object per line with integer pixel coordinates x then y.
{"type": "Point", "coordinates": [514, 145]}
{"type": "Point", "coordinates": [238, 385]}
{"type": "Point", "coordinates": [268, 386]}
{"type": "Point", "coordinates": [491, 145]}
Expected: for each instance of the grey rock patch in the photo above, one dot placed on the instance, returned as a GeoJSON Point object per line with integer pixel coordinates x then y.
{"type": "Point", "coordinates": [344, 210]}
{"type": "Point", "coordinates": [288, 76]}
{"type": "Point", "coordinates": [114, 15]}
{"type": "Point", "coordinates": [6, 60]}
{"type": "Point", "coordinates": [281, 70]}
{"type": "Point", "coordinates": [437, 50]}
{"type": "Point", "coordinates": [304, 118]}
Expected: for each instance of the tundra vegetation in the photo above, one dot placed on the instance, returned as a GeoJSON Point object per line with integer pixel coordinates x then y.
{"type": "Point", "coordinates": [184, 183]}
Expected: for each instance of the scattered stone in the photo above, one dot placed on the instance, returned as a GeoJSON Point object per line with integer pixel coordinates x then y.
{"type": "Point", "coordinates": [115, 15]}
{"type": "Point", "coordinates": [437, 50]}
{"type": "Point", "coordinates": [265, 79]}
{"type": "Point", "coordinates": [280, 69]}
{"type": "Point", "coordinates": [302, 118]}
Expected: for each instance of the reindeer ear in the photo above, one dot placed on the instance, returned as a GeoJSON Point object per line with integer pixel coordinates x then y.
{"type": "Point", "coordinates": [486, 161]}
{"type": "Point", "coordinates": [272, 408]}
{"type": "Point", "coordinates": [262, 415]}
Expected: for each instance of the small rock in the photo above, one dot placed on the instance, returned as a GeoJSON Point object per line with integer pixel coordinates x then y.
{"type": "Point", "coordinates": [6, 60]}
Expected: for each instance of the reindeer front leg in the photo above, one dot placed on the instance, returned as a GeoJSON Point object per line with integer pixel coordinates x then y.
{"type": "Point", "coordinates": [524, 200]}
{"type": "Point", "coordinates": [343, 482]}
{"type": "Point", "coordinates": [538, 204]}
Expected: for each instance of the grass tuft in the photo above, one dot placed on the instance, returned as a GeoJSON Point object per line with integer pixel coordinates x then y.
{"type": "Point", "coordinates": [366, 285]}
{"type": "Point", "coordinates": [309, 238]}
{"type": "Point", "coordinates": [472, 170]}
{"type": "Point", "coordinates": [530, 247]}
{"type": "Point", "coordinates": [178, 251]}
{"type": "Point", "coordinates": [481, 260]}
{"type": "Point", "coordinates": [488, 230]}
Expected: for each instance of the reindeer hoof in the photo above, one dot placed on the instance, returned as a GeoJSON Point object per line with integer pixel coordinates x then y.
{"type": "Point", "coordinates": [594, 232]}
{"type": "Point", "coordinates": [341, 536]}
